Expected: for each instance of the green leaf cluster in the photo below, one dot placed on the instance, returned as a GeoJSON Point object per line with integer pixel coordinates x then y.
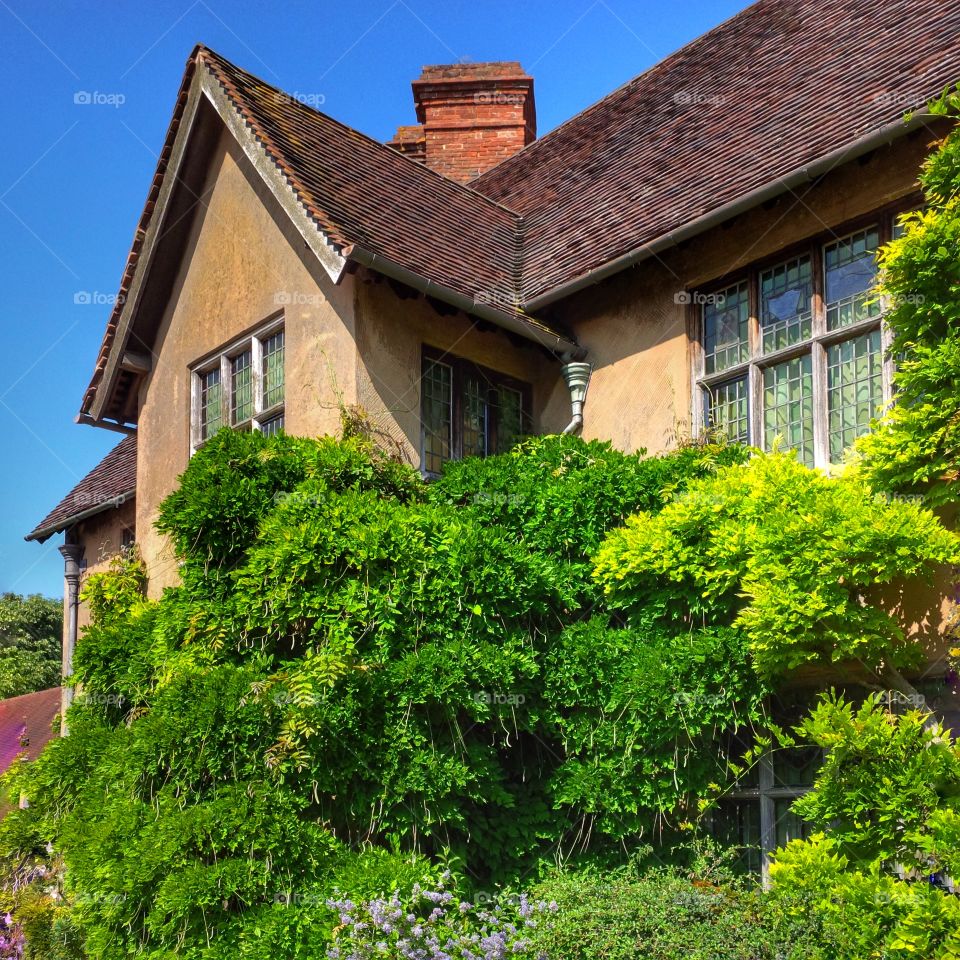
{"type": "Point", "coordinates": [915, 449]}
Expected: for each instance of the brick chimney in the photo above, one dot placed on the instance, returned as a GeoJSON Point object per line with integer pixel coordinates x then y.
{"type": "Point", "coordinates": [471, 116]}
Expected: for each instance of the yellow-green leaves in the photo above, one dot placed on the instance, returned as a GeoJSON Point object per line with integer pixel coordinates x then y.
{"type": "Point", "coordinates": [795, 559]}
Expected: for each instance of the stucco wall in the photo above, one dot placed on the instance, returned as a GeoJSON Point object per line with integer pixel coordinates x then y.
{"type": "Point", "coordinates": [243, 265]}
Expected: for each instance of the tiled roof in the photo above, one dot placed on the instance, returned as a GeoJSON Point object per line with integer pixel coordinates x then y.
{"type": "Point", "coordinates": [112, 481]}
{"type": "Point", "coordinates": [26, 724]}
{"type": "Point", "coordinates": [780, 85]}
{"type": "Point", "coordinates": [361, 192]}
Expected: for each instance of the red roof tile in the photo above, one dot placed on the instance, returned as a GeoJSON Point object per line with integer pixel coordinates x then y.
{"type": "Point", "coordinates": [111, 482]}
{"type": "Point", "coordinates": [26, 724]}
{"type": "Point", "coordinates": [782, 84]}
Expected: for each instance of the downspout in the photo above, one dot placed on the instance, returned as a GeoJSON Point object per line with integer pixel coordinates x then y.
{"type": "Point", "coordinates": [72, 553]}
{"type": "Point", "coordinates": [577, 377]}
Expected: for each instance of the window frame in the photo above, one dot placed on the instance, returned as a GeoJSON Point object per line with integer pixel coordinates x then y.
{"type": "Point", "coordinates": [223, 359]}
{"type": "Point", "coordinates": [817, 345]}
{"type": "Point", "coordinates": [461, 369]}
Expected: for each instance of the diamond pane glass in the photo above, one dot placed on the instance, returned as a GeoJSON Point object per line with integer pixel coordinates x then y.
{"type": "Point", "coordinates": [727, 411]}
{"type": "Point", "coordinates": [785, 313]}
{"type": "Point", "coordinates": [726, 328]}
{"type": "Point", "coordinates": [241, 388]}
{"type": "Point", "coordinates": [211, 403]}
{"type": "Point", "coordinates": [850, 270]}
{"type": "Point", "coordinates": [436, 414]}
{"type": "Point", "coordinates": [854, 389]}
{"type": "Point", "coordinates": [788, 407]}
{"type": "Point", "coordinates": [273, 377]}
{"type": "Point", "coordinates": [509, 418]}
{"type": "Point", "coordinates": [475, 418]}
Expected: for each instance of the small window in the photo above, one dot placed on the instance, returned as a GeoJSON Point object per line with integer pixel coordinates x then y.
{"type": "Point", "coordinates": [468, 411]}
{"type": "Point", "coordinates": [854, 389]}
{"type": "Point", "coordinates": [242, 387]}
{"type": "Point", "coordinates": [727, 410]}
{"type": "Point", "coordinates": [437, 414]}
{"type": "Point", "coordinates": [273, 370]}
{"type": "Point", "coordinates": [788, 406]}
{"type": "Point", "coordinates": [211, 403]}
{"type": "Point", "coordinates": [786, 292]}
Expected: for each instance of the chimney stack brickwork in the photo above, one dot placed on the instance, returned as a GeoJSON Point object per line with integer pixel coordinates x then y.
{"type": "Point", "coordinates": [471, 116]}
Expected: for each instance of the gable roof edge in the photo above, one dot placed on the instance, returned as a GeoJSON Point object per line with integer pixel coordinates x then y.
{"type": "Point", "coordinates": [204, 83]}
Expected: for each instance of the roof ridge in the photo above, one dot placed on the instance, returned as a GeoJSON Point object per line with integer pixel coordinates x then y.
{"type": "Point", "coordinates": [202, 49]}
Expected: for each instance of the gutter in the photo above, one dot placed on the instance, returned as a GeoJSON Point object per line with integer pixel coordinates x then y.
{"type": "Point", "coordinates": [106, 424]}
{"type": "Point", "coordinates": [879, 137]}
{"type": "Point", "coordinates": [46, 532]}
{"type": "Point", "coordinates": [529, 329]}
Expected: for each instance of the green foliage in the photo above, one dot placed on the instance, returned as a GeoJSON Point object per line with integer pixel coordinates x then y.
{"type": "Point", "coordinates": [787, 555]}
{"type": "Point", "coordinates": [30, 636]}
{"type": "Point", "coordinates": [560, 495]}
{"type": "Point", "coordinates": [916, 448]}
{"type": "Point", "coordinates": [665, 914]}
{"type": "Point", "coordinates": [641, 714]}
{"type": "Point", "coordinates": [887, 800]}
{"type": "Point", "coordinates": [360, 671]}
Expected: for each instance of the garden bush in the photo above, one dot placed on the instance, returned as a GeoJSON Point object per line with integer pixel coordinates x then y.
{"type": "Point", "coordinates": [361, 675]}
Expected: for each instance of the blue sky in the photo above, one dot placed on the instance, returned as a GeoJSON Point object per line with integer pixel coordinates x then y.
{"type": "Point", "coordinates": [73, 176]}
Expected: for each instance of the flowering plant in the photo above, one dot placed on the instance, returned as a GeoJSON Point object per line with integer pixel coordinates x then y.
{"type": "Point", "coordinates": [435, 925]}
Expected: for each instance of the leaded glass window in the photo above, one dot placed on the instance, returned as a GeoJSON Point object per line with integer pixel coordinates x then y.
{"type": "Point", "coordinates": [727, 412]}
{"type": "Point", "coordinates": [273, 377]}
{"type": "Point", "coordinates": [793, 355]}
{"type": "Point", "coordinates": [243, 387]}
{"type": "Point", "coordinates": [854, 389]}
{"type": "Point", "coordinates": [273, 425]}
{"type": "Point", "coordinates": [788, 407]}
{"type": "Point", "coordinates": [850, 271]}
{"type": "Point", "coordinates": [510, 418]}
{"type": "Point", "coordinates": [785, 304]}
{"type": "Point", "coordinates": [436, 414]}
{"type": "Point", "coordinates": [725, 321]}
{"type": "Point", "coordinates": [211, 403]}
{"type": "Point", "coordinates": [468, 411]}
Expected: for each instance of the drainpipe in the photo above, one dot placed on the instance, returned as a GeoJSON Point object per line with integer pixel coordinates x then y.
{"type": "Point", "coordinates": [72, 553]}
{"type": "Point", "coordinates": [577, 377]}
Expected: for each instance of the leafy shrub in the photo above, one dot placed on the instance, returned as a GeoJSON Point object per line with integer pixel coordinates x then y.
{"type": "Point", "coordinates": [358, 672]}
{"type": "Point", "coordinates": [31, 631]}
{"type": "Point", "coordinates": [887, 801]}
{"type": "Point", "coordinates": [789, 556]}
{"type": "Point", "coordinates": [665, 914]}
{"type": "Point", "coordinates": [916, 447]}
{"type": "Point", "coordinates": [559, 495]}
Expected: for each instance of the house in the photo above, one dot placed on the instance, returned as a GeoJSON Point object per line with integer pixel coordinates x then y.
{"type": "Point", "coordinates": [696, 249]}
